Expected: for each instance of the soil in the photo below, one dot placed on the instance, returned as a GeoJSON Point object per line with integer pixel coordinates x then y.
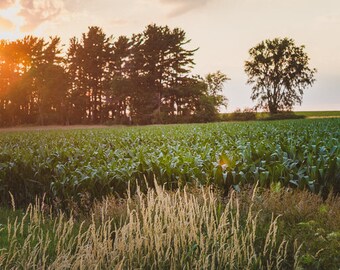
{"type": "Point", "coordinates": [52, 127]}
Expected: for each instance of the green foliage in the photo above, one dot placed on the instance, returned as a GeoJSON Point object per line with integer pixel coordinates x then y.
{"type": "Point", "coordinates": [279, 72]}
{"type": "Point", "coordinates": [305, 218]}
{"type": "Point", "coordinates": [251, 114]}
{"type": "Point", "coordinates": [212, 99]}
{"type": "Point", "coordinates": [316, 114]}
{"type": "Point", "coordinates": [301, 154]}
{"type": "Point", "coordinates": [282, 116]}
{"type": "Point", "coordinates": [245, 115]}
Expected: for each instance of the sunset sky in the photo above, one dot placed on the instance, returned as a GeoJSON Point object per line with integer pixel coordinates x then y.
{"type": "Point", "coordinates": [224, 31]}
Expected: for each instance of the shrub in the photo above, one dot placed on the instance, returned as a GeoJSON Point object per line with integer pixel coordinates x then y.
{"type": "Point", "coordinates": [283, 116]}
{"type": "Point", "coordinates": [246, 115]}
{"type": "Point", "coordinates": [304, 217]}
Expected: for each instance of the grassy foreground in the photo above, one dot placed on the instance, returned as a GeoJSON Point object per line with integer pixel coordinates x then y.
{"type": "Point", "coordinates": [196, 229]}
{"type": "Point", "coordinates": [172, 197]}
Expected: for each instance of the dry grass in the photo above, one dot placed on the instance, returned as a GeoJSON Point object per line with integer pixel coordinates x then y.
{"type": "Point", "coordinates": [298, 206]}
{"type": "Point", "coordinates": [157, 230]}
{"type": "Point", "coordinates": [306, 218]}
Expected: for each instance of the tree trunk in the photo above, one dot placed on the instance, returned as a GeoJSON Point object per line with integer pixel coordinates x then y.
{"type": "Point", "coordinates": [273, 109]}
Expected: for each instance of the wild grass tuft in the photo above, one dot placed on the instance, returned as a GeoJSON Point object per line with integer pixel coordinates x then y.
{"type": "Point", "coordinates": [157, 230]}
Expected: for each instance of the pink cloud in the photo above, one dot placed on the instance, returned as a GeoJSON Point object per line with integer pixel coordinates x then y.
{"type": "Point", "coordinates": [37, 12]}
{"type": "Point", "coordinates": [6, 3]}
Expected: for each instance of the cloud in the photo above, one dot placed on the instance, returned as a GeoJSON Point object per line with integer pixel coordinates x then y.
{"type": "Point", "coordinates": [76, 5]}
{"type": "Point", "coordinates": [6, 24]}
{"type": "Point", "coordinates": [36, 12]}
{"type": "Point", "coordinates": [6, 3]}
{"type": "Point", "coordinates": [184, 6]}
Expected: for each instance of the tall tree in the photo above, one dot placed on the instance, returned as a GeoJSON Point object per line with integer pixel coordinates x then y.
{"type": "Point", "coordinates": [90, 66]}
{"type": "Point", "coordinates": [279, 72]}
{"type": "Point", "coordinates": [50, 81]}
{"type": "Point", "coordinates": [97, 53]}
{"type": "Point", "coordinates": [187, 96]}
{"type": "Point", "coordinates": [145, 77]}
{"type": "Point", "coordinates": [166, 63]}
{"type": "Point", "coordinates": [141, 98]}
{"type": "Point", "coordinates": [35, 87]}
{"type": "Point", "coordinates": [206, 97]}
{"type": "Point", "coordinates": [18, 58]}
{"type": "Point", "coordinates": [215, 82]}
{"type": "Point", "coordinates": [78, 100]}
{"type": "Point", "coordinates": [118, 95]}
{"type": "Point", "coordinates": [4, 83]}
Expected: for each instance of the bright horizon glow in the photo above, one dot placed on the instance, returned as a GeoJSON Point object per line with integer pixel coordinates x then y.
{"type": "Point", "coordinates": [224, 30]}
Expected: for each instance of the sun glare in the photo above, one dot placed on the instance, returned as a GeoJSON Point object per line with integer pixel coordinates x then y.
{"type": "Point", "coordinates": [11, 23]}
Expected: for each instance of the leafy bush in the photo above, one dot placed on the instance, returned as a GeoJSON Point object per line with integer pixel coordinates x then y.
{"type": "Point", "coordinates": [246, 115]}
{"type": "Point", "coordinates": [283, 116]}
{"type": "Point", "coordinates": [304, 217]}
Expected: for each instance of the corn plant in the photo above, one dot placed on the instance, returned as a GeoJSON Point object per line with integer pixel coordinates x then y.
{"type": "Point", "coordinates": [66, 164]}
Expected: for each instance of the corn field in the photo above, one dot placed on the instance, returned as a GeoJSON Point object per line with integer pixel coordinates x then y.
{"type": "Point", "coordinates": [67, 164]}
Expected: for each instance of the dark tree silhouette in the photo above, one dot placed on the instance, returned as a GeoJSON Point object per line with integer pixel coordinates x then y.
{"type": "Point", "coordinates": [215, 83]}
{"type": "Point", "coordinates": [28, 69]}
{"type": "Point", "coordinates": [78, 101]}
{"type": "Point", "coordinates": [167, 64]}
{"type": "Point", "coordinates": [143, 79]}
{"type": "Point", "coordinates": [50, 83]}
{"type": "Point", "coordinates": [118, 95]}
{"type": "Point", "coordinates": [279, 72]}
{"type": "Point", "coordinates": [97, 55]}
{"type": "Point", "coordinates": [90, 69]}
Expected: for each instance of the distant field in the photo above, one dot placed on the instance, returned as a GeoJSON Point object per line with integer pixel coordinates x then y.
{"type": "Point", "coordinates": [308, 114]}
{"type": "Point", "coordinates": [249, 115]}
{"type": "Point", "coordinates": [319, 113]}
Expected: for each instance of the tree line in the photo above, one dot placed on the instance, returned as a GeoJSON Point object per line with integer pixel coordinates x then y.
{"type": "Point", "coordinates": [142, 79]}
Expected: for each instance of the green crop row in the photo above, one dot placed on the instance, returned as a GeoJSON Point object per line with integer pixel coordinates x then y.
{"type": "Point", "coordinates": [66, 164]}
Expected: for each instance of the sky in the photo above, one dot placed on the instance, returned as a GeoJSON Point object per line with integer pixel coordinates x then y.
{"type": "Point", "coordinates": [223, 30]}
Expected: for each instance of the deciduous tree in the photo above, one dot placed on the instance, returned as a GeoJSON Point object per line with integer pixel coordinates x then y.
{"type": "Point", "coordinates": [278, 71]}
